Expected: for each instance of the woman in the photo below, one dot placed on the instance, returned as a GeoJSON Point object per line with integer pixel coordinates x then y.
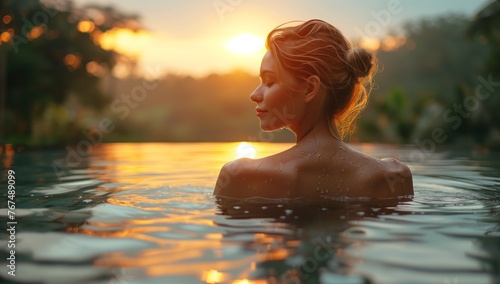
{"type": "Point", "coordinates": [314, 84]}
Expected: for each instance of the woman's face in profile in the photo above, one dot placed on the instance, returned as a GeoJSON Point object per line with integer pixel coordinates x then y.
{"type": "Point", "coordinates": [278, 99]}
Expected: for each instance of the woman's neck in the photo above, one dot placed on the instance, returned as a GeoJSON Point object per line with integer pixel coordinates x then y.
{"type": "Point", "coordinates": [323, 130]}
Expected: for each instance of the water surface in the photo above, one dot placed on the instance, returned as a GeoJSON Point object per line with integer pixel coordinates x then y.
{"type": "Point", "coordinates": [144, 213]}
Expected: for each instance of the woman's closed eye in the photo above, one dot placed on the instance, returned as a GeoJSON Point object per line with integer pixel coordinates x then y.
{"type": "Point", "coordinates": [269, 83]}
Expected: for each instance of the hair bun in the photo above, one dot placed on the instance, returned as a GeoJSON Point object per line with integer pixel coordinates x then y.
{"type": "Point", "coordinates": [360, 61]}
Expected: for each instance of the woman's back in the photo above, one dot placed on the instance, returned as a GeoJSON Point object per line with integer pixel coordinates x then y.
{"type": "Point", "coordinates": [313, 170]}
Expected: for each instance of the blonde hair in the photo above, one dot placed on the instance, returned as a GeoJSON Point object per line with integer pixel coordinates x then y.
{"type": "Point", "coordinates": [317, 48]}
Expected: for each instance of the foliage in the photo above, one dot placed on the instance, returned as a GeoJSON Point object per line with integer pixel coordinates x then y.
{"type": "Point", "coordinates": [426, 82]}
{"type": "Point", "coordinates": [46, 57]}
{"type": "Point", "coordinates": [428, 85]}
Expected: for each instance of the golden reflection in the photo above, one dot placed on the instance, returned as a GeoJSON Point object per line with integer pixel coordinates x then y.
{"type": "Point", "coordinates": [140, 233]}
{"type": "Point", "coordinates": [9, 155]}
{"type": "Point", "coordinates": [211, 276]}
{"type": "Point", "coordinates": [214, 236]}
{"type": "Point", "coordinates": [245, 150]}
{"type": "Point", "coordinates": [277, 254]}
{"type": "Point", "coordinates": [246, 281]}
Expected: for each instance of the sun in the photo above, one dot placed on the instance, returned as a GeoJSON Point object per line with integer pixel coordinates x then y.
{"type": "Point", "coordinates": [245, 44]}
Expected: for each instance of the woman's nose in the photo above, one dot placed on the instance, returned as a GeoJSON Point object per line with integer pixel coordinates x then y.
{"type": "Point", "coordinates": [256, 96]}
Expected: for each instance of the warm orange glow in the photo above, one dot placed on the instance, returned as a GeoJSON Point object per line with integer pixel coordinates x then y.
{"type": "Point", "coordinates": [245, 150]}
{"type": "Point", "coordinates": [7, 19]}
{"type": "Point", "coordinates": [86, 26]}
{"type": "Point", "coordinates": [5, 36]}
{"type": "Point", "coordinates": [96, 36]}
{"type": "Point", "coordinates": [125, 41]}
{"type": "Point", "coordinates": [246, 281]}
{"type": "Point", "coordinates": [393, 42]}
{"type": "Point", "coordinates": [372, 44]}
{"type": "Point", "coordinates": [214, 236]}
{"type": "Point", "coordinates": [121, 70]}
{"type": "Point", "coordinates": [278, 254]}
{"type": "Point", "coordinates": [211, 276]}
{"type": "Point", "coordinates": [145, 165]}
{"type": "Point", "coordinates": [9, 155]}
{"type": "Point", "coordinates": [245, 44]}
{"type": "Point", "coordinates": [35, 33]}
{"type": "Point", "coordinates": [95, 69]}
{"type": "Point", "coordinates": [72, 60]}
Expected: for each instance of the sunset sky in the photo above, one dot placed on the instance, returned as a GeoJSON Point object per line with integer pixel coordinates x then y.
{"type": "Point", "coordinates": [192, 37]}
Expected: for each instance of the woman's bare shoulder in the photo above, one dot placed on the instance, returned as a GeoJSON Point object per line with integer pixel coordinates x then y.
{"type": "Point", "coordinates": [251, 178]}
{"type": "Point", "coordinates": [230, 175]}
{"type": "Point", "coordinates": [391, 178]}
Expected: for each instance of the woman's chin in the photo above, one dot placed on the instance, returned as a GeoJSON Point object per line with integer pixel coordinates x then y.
{"type": "Point", "coordinates": [267, 128]}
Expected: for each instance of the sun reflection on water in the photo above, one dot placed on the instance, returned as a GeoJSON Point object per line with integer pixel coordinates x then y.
{"type": "Point", "coordinates": [246, 150]}
{"type": "Point", "coordinates": [169, 200]}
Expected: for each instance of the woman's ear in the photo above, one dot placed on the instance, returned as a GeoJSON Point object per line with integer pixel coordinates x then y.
{"type": "Point", "coordinates": [313, 88]}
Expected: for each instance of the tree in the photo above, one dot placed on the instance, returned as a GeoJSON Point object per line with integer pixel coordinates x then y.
{"type": "Point", "coordinates": [436, 69]}
{"type": "Point", "coordinates": [486, 24]}
{"type": "Point", "coordinates": [49, 49]}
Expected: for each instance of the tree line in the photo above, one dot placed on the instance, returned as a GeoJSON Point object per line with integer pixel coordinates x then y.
{"type": "Point", "coordinates": [442, 83]}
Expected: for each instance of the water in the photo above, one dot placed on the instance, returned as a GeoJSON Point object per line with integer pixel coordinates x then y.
{"type": "Point", "coordinates": [144, 213]}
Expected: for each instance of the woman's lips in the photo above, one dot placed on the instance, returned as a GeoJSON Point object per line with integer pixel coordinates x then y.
{"type": "Point", "coordinates": [260, 112]}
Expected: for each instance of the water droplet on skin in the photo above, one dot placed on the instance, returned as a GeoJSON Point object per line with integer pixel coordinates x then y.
{"type": "Point", "coordinates": [236, 207]}
{"type": "Point", "coordinates": [246, 211]}
{"type": "Point", "coordinates": [264, 207]}
{"type": "Point", "coordinates": [324, 209]}
{"type": "Point", "coordinates": [288, 211]}
{"type": "Point", "coordinates": [360, 213]}
{"type": "Point", "coordinates": [280, 205]}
